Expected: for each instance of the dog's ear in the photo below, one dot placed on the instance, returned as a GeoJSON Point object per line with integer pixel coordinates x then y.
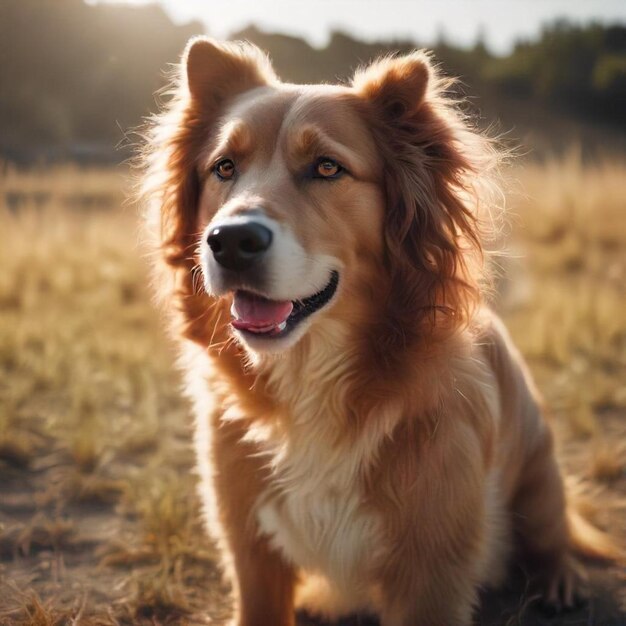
{"type": "Point", "coordinates": [396, 87]}
{"type": "Point", "coordinates": [432, 160]}
{"type": "Point", "coordinates": [217, 71]}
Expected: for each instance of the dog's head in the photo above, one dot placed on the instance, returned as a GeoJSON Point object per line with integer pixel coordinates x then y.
{"type": "Point", "coordinates": [306, 202]}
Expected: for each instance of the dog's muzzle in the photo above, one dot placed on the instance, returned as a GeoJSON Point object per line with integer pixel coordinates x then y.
{"type": "Point", "coordinates": [275, 285]}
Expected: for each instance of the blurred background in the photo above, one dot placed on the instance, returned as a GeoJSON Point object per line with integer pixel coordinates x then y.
{"type": "Point", "coordinates": [98, 514]}
{"type": "Point", "coordinates": [77, 76]}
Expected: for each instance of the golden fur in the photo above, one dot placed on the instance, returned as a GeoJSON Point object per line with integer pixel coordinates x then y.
{"type": "Point", "coordinates": [385, 460]}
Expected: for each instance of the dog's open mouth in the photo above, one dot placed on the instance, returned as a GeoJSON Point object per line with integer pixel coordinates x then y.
{"type": "Point", "coordinates": [275, 318]}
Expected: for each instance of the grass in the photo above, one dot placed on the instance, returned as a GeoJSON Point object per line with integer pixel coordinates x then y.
{"type": "Point", "coordinates": [569, 318]}
{"type": "Point", "coordinates": [98, 512]}
{"type": "Point", "coordinates": [87, 389]}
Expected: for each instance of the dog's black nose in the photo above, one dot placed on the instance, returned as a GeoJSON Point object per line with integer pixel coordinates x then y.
{"type": "Point", "coordinates": [238, 245]}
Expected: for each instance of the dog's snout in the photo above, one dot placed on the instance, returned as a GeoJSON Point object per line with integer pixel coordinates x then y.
{"type": "Point", "coordinates": [238, 245]}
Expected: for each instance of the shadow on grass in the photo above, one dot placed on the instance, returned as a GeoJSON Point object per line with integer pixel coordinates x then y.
{"type": "Point", "coordinates": [516, 606]}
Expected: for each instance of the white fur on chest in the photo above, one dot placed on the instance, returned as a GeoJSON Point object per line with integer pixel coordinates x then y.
{"type": "Point", "coordinates": [314, 508]}
{"type": "Point", "coordinates": [314, 511]}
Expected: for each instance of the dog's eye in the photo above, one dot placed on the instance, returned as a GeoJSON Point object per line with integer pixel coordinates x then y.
{"type": "Point", "coordinates": [327, 168]}
{"type": "Point", "coordinates": [224, 169]}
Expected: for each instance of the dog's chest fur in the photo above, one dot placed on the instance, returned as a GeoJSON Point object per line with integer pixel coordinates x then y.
{"type": "Point", "coordinates": [314, 509]}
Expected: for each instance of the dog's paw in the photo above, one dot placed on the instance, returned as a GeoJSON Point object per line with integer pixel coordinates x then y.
{"type": "Point", "coordinates": [317, 599]}
{"type": "Point", "coordinates": [566, 588]}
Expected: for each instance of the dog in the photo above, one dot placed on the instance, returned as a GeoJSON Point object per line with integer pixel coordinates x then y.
{"type": "Point", "coordinates": [368, 438]}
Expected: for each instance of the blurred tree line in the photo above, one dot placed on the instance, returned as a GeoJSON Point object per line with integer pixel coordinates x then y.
{"type": "Point", "coordinates": [75, 77]}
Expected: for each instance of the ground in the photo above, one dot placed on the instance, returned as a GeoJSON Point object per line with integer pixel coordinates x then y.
{"type": "Point", "coordinates": [98, 512]}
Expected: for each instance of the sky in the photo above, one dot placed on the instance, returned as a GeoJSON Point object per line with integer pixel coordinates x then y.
{"type": "Point", "coordinates": [500, 21]}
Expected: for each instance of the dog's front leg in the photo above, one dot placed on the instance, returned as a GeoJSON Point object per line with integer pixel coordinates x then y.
{"type": "Point", "coordinates": [263, 581]}
{"type": "Point", "coordinates": [436, 533]}
{"type": "Point", "coordinates": [439, 595]}
{"type": "Point", "coordinates": [265, 585]}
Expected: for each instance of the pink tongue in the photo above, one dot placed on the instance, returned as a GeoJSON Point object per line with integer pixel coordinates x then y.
{"type": "Point", "coordinates": [255, 312]}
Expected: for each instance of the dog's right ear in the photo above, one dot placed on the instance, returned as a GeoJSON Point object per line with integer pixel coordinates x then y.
{"type": "Point", "coordinates": [218, 71]}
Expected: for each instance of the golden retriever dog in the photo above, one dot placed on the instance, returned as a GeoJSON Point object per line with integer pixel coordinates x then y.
{"type": "Point", "coordinates": [368, 438]}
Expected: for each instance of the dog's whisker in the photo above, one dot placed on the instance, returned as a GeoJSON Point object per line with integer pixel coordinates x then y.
{"type": "Point", "coordinates": [228, 342]}
{"type": "Point", "coordinates": [217, 321]}
{"type": "Point", "coordinates": [196, 278]}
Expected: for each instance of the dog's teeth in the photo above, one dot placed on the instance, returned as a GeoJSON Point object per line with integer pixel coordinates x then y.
{"type": "Point", "coordinates": [282, 326]}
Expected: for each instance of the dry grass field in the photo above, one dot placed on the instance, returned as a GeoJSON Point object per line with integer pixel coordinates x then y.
{"type": "Point", "coordinates": [98, 514]}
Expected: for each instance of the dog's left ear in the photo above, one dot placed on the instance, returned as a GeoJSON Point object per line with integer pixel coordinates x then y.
{"type": "Point", "coordinates": [396, 87]}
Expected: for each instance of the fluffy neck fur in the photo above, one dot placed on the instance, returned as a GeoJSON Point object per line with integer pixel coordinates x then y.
{"type": "Point", "coordinates": [339, 376]}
